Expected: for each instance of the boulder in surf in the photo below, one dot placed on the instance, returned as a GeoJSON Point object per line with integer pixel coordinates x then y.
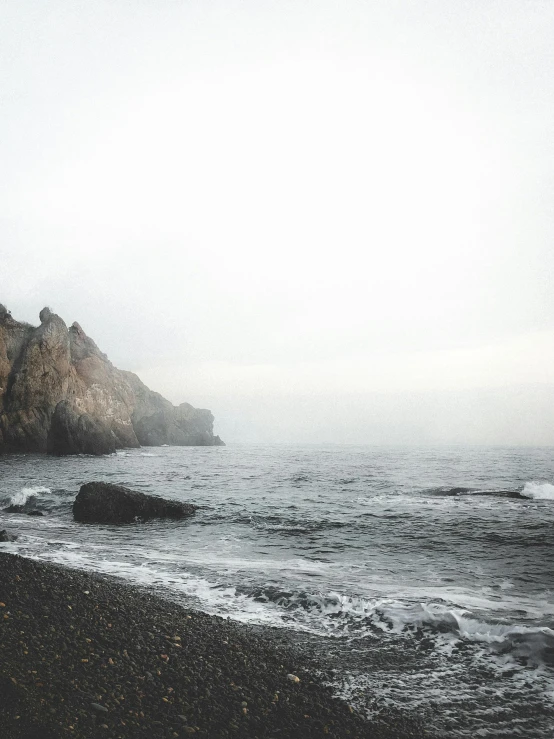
{"type": "Point", "coordinates": [102, 502]}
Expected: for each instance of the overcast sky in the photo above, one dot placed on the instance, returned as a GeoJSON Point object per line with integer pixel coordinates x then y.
{"type": "Point", "coordinates": [327, 221]}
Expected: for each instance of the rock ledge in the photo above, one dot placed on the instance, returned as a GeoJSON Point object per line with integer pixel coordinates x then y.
{"type": "Point", "coordinates": [60, 394]}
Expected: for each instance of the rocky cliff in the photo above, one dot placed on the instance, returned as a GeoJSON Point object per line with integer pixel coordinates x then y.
{"type": "Point", "coordinates": [60, 394]}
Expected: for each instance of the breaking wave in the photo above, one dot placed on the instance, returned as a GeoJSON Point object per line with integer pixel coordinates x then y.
{"type": "Point", "coordinates": [538, 491]}
{"type": "Point", "coordinates": [356, 616]}
{"type": "Point", "coordinates": [28, 496]}
{"type": "Point", "coordinates": [333, 614]}
{"type": "Point", "coordinates": [421, 580]}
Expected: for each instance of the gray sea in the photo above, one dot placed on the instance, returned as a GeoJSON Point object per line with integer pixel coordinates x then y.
{"type": "Point", "coordinates": [425, 577]}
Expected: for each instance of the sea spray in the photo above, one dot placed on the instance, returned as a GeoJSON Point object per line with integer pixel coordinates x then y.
{"type": "Point", "coordinates": [27, 494]}
{"type": "Point", "coordinates": [538, 490]}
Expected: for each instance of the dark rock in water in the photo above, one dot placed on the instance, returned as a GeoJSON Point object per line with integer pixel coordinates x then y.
{"type": "Point", "coordinates": [61, 395]}
{"type": "Point", "coordinates": [29, 507]}
{"type": "Point", "coordinates": [23, 509]}
{"type": "Point", "coordinates": [102, 502]}
{"type": "Point", "coordinates": [6, 536]}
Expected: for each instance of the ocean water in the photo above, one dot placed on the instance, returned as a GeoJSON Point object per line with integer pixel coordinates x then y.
{"type": "Point", "coordinates": [425, 577]}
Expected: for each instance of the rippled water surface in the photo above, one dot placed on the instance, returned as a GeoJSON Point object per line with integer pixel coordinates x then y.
{"type": "Point", "coordinates": [425, 575]}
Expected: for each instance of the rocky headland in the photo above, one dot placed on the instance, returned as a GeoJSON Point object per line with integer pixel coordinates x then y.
{"type": "Point", "coordinates": [59, 394]}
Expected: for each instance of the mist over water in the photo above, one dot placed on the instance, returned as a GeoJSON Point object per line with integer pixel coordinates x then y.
{"type": "Point", "coordinates": [423, 576]}
{"type": "Point", "coordinates": [343, 213]}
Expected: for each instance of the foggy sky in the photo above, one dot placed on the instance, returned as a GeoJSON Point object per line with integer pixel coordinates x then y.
{"type": "Point", "coordinates": [325, 221]}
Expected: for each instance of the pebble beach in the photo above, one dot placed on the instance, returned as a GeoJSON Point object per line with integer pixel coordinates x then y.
{"type": "Point", "coordinates": [84, 655]}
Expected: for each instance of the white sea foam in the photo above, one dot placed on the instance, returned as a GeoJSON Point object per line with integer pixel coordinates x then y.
{"type": "Point", "coordinates": [471, 635]}
{"type": "Point", "coordinates": [27, 493]}
{"type": "Point", "coordinates": [538, 490]}
{"type": "Point", "coordinates": [318, 613]}
{"type": "Point", "coordinates": [461, 622]}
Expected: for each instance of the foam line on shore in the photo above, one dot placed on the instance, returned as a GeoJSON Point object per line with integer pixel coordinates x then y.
{"type": "Point", "coordinates": [72, 641]}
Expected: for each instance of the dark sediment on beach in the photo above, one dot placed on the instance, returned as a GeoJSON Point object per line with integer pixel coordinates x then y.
{"type": "Point", "coordinates": [87, 656]}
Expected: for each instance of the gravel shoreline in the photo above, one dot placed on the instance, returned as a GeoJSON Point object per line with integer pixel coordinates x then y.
{"type": "Point", "coordinates": [82, 655]}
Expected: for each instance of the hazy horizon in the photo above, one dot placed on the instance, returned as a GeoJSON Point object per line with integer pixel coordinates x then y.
{"type": "Point", "coordinates": [327, 222]}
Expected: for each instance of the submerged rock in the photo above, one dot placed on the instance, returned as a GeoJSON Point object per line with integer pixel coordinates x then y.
{"type": "Point", "coordinates": [6, 536]}
{"type": "Point", "coordinates": [61, 395]}
{"type": "Point", "coordinates": [14, 508]}
{"type": "Point", "coordinates": [102, 502]}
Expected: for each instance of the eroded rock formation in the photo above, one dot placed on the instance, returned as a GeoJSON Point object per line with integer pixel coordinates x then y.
{"type": "Point", "coordinates": [60, 394]}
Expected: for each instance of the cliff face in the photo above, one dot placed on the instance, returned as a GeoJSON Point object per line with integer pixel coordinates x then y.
{"type": "Point", "coordinates": [60, 394]}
